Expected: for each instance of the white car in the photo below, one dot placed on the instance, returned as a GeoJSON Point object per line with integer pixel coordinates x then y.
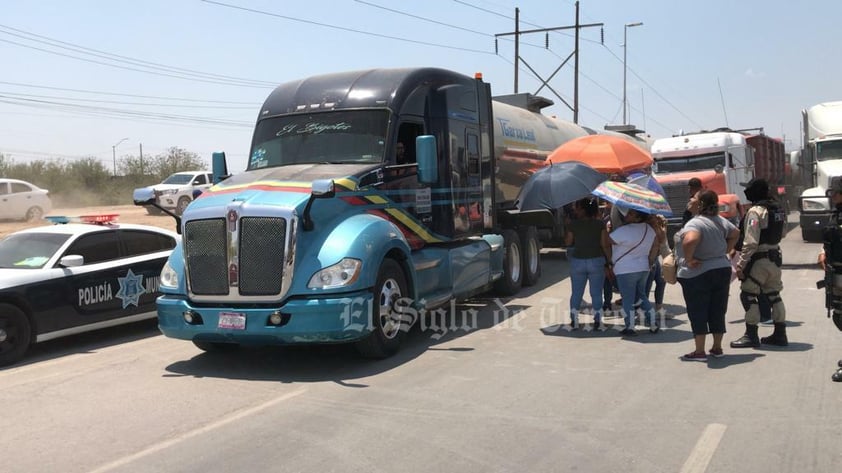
{"type": "Point", "coordinates": [59, 280]}
{"type": "Point", "coordinates": [20, 200]}
{"type": "Point", "coordinates": [176, 192]}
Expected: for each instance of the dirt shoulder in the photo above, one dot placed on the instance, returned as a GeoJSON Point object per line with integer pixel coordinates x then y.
{"type": "Point", "coordinates": [127, 214]}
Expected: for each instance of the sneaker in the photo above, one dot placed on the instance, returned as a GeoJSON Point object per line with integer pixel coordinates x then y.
{"type": "Point", "coordinates": [694, 356]}
{"type": "Point", "coordinates": [716, 353]}
{"type": "Point", "coordinates": [654, 328]}
{"type": "Point", "coordinates": [629, 332]}
{"type": "Point", "coordinates": [598, 327]}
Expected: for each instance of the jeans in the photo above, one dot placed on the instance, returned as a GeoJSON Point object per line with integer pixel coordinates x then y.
{"type": "Point", "coordinates": [660, 284]}
{"type": "Point", "coordinates": [590, 271]}
{"type": "Point", "coordinates": [706, 296]}
{"type": "Point", "coordinates": [632, 287]}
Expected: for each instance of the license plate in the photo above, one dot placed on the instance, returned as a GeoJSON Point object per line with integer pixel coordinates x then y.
{"type": "Point", "coordinates": [232, 321]}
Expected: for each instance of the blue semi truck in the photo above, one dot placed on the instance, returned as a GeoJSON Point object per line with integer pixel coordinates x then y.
{"type": "Point", "coordinates": [333, 235]}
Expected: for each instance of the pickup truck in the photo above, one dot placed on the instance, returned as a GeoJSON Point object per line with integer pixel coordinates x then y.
{"type": "Point", "coordinates": [176, 192]}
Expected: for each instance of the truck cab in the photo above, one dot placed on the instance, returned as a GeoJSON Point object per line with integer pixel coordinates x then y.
{"type": "Point", "coordinates": [721, 160]}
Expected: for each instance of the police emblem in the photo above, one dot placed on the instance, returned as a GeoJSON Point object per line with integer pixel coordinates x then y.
{"type": "Point", "coordinates": [131, 288]}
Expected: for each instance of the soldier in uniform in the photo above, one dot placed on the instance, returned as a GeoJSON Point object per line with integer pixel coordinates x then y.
{"type": "Point", "coordinates": [759, 265]}
{"type": "Point", "coordinates": [830, 260]}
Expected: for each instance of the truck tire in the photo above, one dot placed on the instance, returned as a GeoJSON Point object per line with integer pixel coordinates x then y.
{"type": "Point", "coordinates": [15, 334]}
{"type": "Point", "coordinates": [512, 279]}
{"type": "Point", "coordinates": [183, 202]}
{"type": "Point", "coordinates": [388, 326]}
{"type": "Point", "coordinates": [531, 245]}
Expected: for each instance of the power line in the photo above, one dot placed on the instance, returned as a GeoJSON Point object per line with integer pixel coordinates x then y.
{"type": "Point", "coordinates": [141, 104]}
{"type": "Point", "coordinates": [157, 97]}
{"type": "Point", "coordinates": [28, 36]}
{"type": "Point", "coordinates": [343, 28]}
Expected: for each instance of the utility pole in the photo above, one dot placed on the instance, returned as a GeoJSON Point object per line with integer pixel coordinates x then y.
{"type": "Point", "coordinates": [114, 154]}
{"type": "Point", "coordinates": [577, 26]}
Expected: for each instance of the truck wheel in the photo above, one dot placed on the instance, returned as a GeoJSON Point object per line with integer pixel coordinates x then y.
{"type": "Point", "coordinates": [509, 284]}
{"type": "Point", "coordinates": [183, 202]}
{"type": "Point", "coordinates": [215, 347]}
{"type": "Point", "coordinates": [531, 255]}
{"type": "Point", "coordinates": [388, 326]}
{"type": "Point", "coordinates": [15, 334]}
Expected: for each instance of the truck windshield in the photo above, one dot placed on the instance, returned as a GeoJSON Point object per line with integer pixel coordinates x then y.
{"type": "Point", "coordinates": [357, 136]}
{"type": "Point", "coordinates": [701, 162]}
{"type": "Point", "coordinates": [178, 179]}
{"type": "Point", "coordinates": [826, 150]}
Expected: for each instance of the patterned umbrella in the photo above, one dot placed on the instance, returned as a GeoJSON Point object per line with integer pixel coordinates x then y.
{"type": "Point", "coordinates": [633, 196]}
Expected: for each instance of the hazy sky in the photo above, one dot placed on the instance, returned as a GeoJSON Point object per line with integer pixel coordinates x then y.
{"type": "Point", "coordinates": [81, 75]}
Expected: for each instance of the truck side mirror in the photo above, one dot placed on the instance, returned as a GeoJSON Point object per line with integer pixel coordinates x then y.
{"type": "Point", "coordinates": [220, 167]}
{"type": "Point", "coordinates": [425, 152]}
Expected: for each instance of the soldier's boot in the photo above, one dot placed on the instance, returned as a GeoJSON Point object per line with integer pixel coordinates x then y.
{"type": "Point", "coordinates": [749, 340]}
{"type": "Point", "coordinates": [778, 337]}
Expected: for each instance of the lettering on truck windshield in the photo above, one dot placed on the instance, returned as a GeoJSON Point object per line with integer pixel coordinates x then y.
{"type": "Point", "coordinates": [702, 162]}
{"type": "Point", "coordinates": [339, 137]}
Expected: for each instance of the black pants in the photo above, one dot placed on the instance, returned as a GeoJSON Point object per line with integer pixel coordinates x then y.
{"type": "Point", "coordinates": [706, 297]}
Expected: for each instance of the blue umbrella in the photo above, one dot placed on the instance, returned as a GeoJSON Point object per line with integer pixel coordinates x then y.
{"type": "Point", "coordinates": [557, 185]}
{"type": "Point", "coordinates": [647, 181]}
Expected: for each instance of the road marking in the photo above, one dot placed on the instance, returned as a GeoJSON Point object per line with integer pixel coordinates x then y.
{"type": "Point", "coordinates": [699, 458]}
{"type": "Point", "coordinates": [193, 433]}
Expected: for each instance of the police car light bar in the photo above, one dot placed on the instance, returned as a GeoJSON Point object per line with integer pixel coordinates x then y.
{"type": "Point", "coordinates": [100, 219]}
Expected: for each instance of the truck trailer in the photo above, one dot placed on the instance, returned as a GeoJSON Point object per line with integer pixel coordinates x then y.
{"type": "Point", "coordinates": [332, 234]}
{"type": "Point", "coordinates": [820, 160]}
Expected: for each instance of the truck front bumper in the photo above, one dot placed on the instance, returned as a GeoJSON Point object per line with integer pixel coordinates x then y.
{"type": "Point", "coordinates": [326, 320]}
{"type": "Point", "coordinates": [814, 221]}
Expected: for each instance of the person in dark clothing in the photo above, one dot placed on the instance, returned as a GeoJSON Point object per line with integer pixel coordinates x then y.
{"type": "Point", "coordinates": [588, 250]}
{"type": "Point", "coordinates": [694, 187]}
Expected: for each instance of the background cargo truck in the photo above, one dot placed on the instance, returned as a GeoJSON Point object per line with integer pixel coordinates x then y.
{"type": "Point", "coordinates": [330, 235]}
{"type": "Point", "coordinates": [723, 159]}
{"type": "Point", "coordinates": [819, 161]}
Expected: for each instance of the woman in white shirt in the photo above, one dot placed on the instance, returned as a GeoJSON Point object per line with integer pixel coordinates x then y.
{"type": "Point", "coordinates": [633, 249]}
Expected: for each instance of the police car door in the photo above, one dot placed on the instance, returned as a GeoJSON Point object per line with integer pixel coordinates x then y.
{"type": "Point", "coordinates": [145, 253]}
{"type": "Point", "coordinates": [94, 289]}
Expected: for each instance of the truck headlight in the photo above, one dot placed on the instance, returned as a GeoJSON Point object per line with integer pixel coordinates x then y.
{"type": "Point", "coordinates": [340, 274]}
{"type": "Point", "coordinates": [169, 277]}
{"type": "Point", "coordinates": [169, 192]}
{"type": "Point", "coordinates": [816, 205]}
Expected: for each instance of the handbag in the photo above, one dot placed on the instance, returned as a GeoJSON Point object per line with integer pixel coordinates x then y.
{"type": "Point", "coordinates": [669, 270]}
{"type": "Point", "coordinates": [609, 270]}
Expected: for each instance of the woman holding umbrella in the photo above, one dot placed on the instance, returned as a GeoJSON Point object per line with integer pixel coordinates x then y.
{"type": "Point", "coordinates": [633, 249]}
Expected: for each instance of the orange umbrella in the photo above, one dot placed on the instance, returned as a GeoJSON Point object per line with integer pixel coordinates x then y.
{"type": "Point", "coordinates": [605, 153]}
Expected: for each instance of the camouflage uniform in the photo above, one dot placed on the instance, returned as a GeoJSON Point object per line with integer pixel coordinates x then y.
{"type": "Point", "coordinates": [760, 264]}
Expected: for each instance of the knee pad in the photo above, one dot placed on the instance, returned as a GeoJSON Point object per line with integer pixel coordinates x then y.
{"type": "Point", "coordinates": [748, 299]}
{"type": "Point", "coordinates": [774, 297]}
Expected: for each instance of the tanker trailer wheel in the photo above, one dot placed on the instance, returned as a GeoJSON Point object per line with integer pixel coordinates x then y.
{"type": "Point", "coordinates": [531, 246]}
{"type": "Point", "coordinates": [15, 334]}
{"type": "Point", "coordinates": [512, 279]}
{"type": "Point", "coordinates": [388, 325]}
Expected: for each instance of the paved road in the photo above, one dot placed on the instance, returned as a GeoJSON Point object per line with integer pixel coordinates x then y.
{"type": "Point", "coordinates": [509, 393]}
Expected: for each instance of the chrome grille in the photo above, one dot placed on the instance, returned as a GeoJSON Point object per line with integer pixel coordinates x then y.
{"type": "Point", "coordinates": [677, 196]}
{"type": "Point", "coordinates": [262, 241]}
{"type": "Point", "coordinates": [207, 262]}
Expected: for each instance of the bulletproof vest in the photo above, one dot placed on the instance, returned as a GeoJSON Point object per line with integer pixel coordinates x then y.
{"type": "Point", "coordinates": [774, 231]}
{"type": "Point", "coordinates": [833, 240]}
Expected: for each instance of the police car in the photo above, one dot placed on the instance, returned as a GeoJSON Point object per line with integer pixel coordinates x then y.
{"type": "Point", "coordinates": [82, 274]}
